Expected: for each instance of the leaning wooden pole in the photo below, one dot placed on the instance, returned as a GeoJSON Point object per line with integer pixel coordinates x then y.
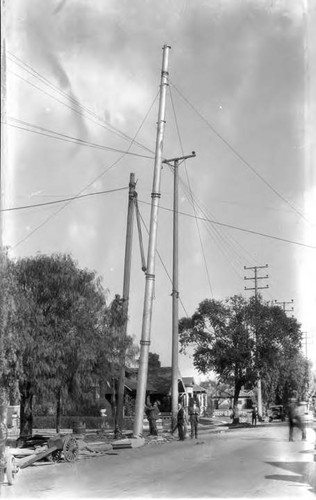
{"type": "Point", "coordinates": [150, 273]}
{"type": "Point", "coordinates": [126, 287]}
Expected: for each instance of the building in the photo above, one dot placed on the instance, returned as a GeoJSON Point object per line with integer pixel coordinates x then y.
{"type": "Point", "coordinates": [223, 401]}
{"type": "Point", "coordinates": [192, 390]}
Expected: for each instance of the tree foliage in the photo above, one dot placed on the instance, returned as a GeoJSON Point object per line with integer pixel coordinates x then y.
{"type": "Point", "coordinates": [8, 386]}
{"type": "Point", "coordinates": [241, 340]}
{"type": "Point", "coordinates": [63, 335]}
{"type": "Point", "coordinates": [153, 361]}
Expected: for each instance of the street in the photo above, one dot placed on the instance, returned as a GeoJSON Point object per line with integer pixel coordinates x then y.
{"type": "Point", "coordinates": [243, 463]}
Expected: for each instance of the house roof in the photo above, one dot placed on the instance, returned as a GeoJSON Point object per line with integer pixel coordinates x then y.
{"type": "Point", "coordinates": [160, 379]}
{"type": "Point", "coordinates": [188, 381]}
{"type": "Point", "coordinates": [198, 388]}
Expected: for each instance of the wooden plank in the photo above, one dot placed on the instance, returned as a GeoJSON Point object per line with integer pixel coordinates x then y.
{"type": "Point", "coordinates": [25, 462]}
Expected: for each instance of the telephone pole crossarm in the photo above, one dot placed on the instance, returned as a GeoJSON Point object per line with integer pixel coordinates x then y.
{"type": "Point", "coordinates": [284, 304]}
{"type": "Point", "coordinates": [179, 158]}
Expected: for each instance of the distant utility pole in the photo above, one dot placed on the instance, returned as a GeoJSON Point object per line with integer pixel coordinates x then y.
{"type": "Point", "coordinates": [126, 286]}
{"type": "Point", "coordinates": [306, 339]}
{"type": "Point", "coordinates": [284, 304]}
{"type": "Point", "coordinates": [256, 288]}
{"type": "Point", "coordinates": [150, 273]}
{"type": "Point", "coordinates": [175, 287]}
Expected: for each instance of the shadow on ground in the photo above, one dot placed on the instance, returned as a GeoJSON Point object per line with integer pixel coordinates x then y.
{"type": "Point", "coordinates": [305, 473]}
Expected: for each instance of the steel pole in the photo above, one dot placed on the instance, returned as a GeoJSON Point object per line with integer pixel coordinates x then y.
{"type": "Point", "coordinates": [126, 288]}
{"type": "Point", "coordinates": [175, 298]}
{"type": "Point", "coordinates": [150, 274]}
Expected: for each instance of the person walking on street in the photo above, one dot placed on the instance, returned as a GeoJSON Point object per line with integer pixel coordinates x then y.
{"type": "Point", "coordinates": [254, 416]}
{"type": "Point", "coordinates": [296, 419]}
{"type": "Point", "coordinates": [194, 413]}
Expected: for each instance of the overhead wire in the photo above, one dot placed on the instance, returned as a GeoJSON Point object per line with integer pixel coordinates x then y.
{"type": "Point", "coordinates": [217, 235]}
{"type": "Point", "coordinates": [239, 156]}
{"type": "Point", "coordinates": [162, 263]}
{"type": "Point", "coordinates": [197, 225]}
{"type": "Point", "coordinates": [226, 244]}
{"type": "Point", "coordinates": [79, 107]}
{"type": "Point", "coordinates": [237, 228]}
{"type": "Point", "coordinates": [62, 200]}
{"type": "Point", "coordinates": [23, 125]}
{"type": "Point", "coordinates": [103, 172]}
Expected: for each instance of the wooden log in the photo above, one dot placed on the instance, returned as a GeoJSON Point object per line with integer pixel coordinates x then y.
{"type": "Point", "coordinates": [25, 462]}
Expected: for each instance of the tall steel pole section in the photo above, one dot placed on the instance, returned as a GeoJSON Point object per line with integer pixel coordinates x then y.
{"type": "Point", "coordinates": [150, 274]}
{"type": "Point", "coordinates": [125, 298]}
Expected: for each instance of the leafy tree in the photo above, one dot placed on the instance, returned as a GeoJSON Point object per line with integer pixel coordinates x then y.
{"type": "Point", "coordinates": [153, 361]}
{"type": "Point", "coordinates": [59, 338]}
{"type": "Point", "coordinates": [60, 311]}
{"type": "Point", "coordinates": [291, 377]}
{"type": "Point", "coordinates": [240, 340]}
{"type": "Point", "coordinates": [8, 386]}
{"type": "Point", "coordinates": [58, 315]}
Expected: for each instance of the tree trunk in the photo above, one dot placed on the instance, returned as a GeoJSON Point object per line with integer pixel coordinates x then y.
{"type": "Point", "coordinates": [238, 386]}
{"type": "Point", "coordinates": [26, 413]}
{"type": "Point", "coordinates": [58, 411]}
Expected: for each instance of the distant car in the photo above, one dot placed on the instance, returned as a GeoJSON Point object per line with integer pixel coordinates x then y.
{"type": "Point", "coordinates": [276, 412]}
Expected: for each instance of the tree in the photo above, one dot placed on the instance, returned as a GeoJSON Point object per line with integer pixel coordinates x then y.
{"type": "Point", "coordinates": [240, 340]}
{"type": "Point", "coordinates": [60, 339]}
{"type": "Point", "coordinates": [291, 377]}
{"type": "Point", "coordinates": [59, 317]}
{"type": "Point", "coordinates": [153, 361]}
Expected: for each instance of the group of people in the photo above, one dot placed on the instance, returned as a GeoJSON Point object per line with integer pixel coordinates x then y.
{"type": "Point", "coordinates": [152, 413]}
{"type": "Point", "coordinates": [181, 425]}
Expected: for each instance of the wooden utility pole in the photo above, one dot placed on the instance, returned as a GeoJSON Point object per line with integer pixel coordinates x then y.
{"type": "Point", "coordinates": [284, 304]}
{"type": "Point", "coordinates": [126, 286]}
{"type": "Point", "coordinates": [256, 288]}
{"type": "Point", "coordinates": [175, 287]}
{"type": "Point", "coordinates": [150, 273]}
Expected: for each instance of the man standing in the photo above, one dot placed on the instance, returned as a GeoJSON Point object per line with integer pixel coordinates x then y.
{"type": "Point", "coordinates": [180, 422]}
{"type": "Point", "coordinates": [194, 419]}
{"type": "Point", "coordinates": [254, 416]}
{"type": "Point", "coordinates": [152, 413]}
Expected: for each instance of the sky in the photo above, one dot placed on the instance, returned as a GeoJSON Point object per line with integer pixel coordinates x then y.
{"type": "Point", "coordinates": [240, 95]}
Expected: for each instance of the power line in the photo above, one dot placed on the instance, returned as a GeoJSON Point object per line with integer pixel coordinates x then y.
{"type": "Point", "coordinates": [190, 192]}
{"type": "Point", "coordinates": [239, 156]}
{"type": "Point", "coordinates": [87, 112]}
{"type": "Point", "coordinates": [237, 228]}
{"type": "Point", "coordinates": [66, 138]}
{"type": "Point", "coordinates": [36, 205]}
{"type": "Point", "coordinates": [104, 171]}
{"type": "Point", "coordinates": [163, 264]}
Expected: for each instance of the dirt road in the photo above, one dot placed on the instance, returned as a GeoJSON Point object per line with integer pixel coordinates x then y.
{"type": "Point", "coordinates": [244, 463]}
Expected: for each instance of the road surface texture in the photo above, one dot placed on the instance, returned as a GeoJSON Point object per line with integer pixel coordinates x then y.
{"type": "Point", "coordinates": [256, 462]}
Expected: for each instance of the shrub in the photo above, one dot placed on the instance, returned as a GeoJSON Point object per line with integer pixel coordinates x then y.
{"type": "Point", "coordinates": [67, 422]}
